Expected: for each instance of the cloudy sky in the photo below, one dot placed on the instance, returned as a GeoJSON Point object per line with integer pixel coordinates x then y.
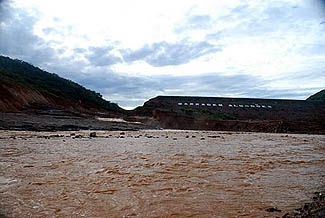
{"type": "Point", "coordinates": [131, 51]}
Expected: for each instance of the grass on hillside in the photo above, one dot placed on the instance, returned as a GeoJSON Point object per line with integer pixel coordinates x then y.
{"type": "Point", "coordinates": [22, 73]}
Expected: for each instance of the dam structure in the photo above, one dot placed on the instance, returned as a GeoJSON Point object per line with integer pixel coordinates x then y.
{"type": "Point", "coordinates": [213, 113]}
{"type": "Point", "coordinates": [243, 108]}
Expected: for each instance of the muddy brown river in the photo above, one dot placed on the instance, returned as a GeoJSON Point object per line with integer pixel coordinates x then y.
{"type": "Point", "coordinates": [157, 173]}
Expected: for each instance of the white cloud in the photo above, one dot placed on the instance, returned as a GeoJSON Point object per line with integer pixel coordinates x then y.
{"type": "Point", "coordinates": [278, 43]}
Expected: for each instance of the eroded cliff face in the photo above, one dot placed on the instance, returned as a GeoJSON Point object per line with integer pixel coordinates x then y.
{"type": "Point", "coordinates": [169, 120]}
{"type": "Point", "coordinates": [16, 97]}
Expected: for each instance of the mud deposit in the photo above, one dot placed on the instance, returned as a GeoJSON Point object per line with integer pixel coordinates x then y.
{"type": "Point", "coordinates": [158, 173]}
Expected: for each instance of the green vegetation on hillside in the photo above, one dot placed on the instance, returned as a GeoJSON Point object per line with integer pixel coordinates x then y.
{"type": "Point", "coordinates": [22, 73]}
{"type": "Point", "coordinates": [207, 114]}
{"type": "Point", "coordinates": [217, 115]}
{"type": "Point", "coordinates": [319, 96]}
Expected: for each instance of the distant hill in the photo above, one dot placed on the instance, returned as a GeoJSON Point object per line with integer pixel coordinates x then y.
{"type": "Point", "coordinates": [319, 96]}
{"type": "Point", "coordinates": [235, 114]}
{"type": "Point", "coordinates": [23, 86]}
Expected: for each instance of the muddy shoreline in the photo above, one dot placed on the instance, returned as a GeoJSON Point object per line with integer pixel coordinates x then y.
{"type": "Point", "coordinates": [61, 121]}
{"type": "Point", "coordinates": [313, 209]}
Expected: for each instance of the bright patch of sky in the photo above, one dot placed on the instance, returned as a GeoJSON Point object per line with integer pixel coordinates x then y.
{"type": "Point", "coordinates": [131, 51]}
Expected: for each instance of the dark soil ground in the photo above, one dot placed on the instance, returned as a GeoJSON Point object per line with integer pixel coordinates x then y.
{"type": "Point", "coordinates": [314, 209]}
{"type": "Point", "coordinates": [236, 114]}
{"type": "Point", "coordinates": [60, 121]}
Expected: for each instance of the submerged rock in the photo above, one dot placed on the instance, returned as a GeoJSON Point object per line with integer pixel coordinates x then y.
{"type": "Point", "coordinates": [93, 134]}
{"type": "Point", "coordinates": [273, 209]}
{"type": "Point", "coordinates": [315, 209]}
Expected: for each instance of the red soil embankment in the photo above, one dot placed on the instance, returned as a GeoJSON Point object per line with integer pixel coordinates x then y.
{"type": "Point", "coordinates": [172, 120]}
{"type": "Point", "coordinates": [16, 97]}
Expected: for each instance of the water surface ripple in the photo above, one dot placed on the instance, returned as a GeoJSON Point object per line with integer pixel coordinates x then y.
{"type": "Point", "coordinates": [158, 173]}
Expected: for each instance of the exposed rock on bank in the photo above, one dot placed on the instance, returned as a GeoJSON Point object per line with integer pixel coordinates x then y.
{"type": "Point", "coordinates": [315, 209]}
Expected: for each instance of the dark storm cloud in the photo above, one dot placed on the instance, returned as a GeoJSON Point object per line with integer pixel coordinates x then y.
{"type": "Point", "coordinates": [215, 84]}
{"type": "Point", "coordinates": [124, 90]}
{"type": "Point", "coordinates": [321, 6]}
{"type": "Point", "coordinates": [3, 4]}
{"type": "Point", "coordinates": [163, 53]}
{"type": "Point", "coordinates": [133, 91]}
{"type": "Point", "coordinates": [67, 67]}
{"type": "Point", "coordinates": [17, 39]}
{"type": "Point", "coordinates": [102, 56]}
{"type": "Point", "coordinates": [113, 83]}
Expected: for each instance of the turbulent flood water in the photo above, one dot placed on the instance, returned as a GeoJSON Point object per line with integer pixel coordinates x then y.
{"type": "Point", "coordinates": [158, 173]}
